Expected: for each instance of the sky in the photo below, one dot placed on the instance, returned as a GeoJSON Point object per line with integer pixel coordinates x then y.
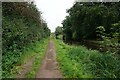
{"type": "Point", "coordinates": [54, 11]}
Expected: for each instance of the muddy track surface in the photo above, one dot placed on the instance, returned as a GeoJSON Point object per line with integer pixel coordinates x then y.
{"type": "Point", "coordinates": [49, 67]}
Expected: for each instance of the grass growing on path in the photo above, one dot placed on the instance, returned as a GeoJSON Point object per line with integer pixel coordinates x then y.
{"type": "Point", "coordinates": [35, 50]}
{"type": "Point", "coordinates": [79, 62]}
{"type": "Point", "coordinates": [40, 51]}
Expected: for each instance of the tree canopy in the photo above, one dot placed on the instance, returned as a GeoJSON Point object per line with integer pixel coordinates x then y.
{"type": "Point", "coordinates": [84, 18]}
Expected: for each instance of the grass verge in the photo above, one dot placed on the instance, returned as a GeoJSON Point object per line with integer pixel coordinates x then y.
{"type": "Point", "coordinates": [79, 62]}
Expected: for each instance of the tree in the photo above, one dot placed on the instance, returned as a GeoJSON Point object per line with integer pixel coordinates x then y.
{"type": "Point", "coordinates": [84, 18]}
{"type": "Point", "coordinates": [58, 31]}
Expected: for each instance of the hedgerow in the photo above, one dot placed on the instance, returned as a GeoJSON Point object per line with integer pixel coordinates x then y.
{"type": "Point", "coordinates": [22, 25]}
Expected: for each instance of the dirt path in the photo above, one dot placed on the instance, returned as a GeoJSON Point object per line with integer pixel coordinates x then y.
{"type": "Point", "coordinates": [25, 69]}
{"type": "Point", "coordinates": [49, 67]}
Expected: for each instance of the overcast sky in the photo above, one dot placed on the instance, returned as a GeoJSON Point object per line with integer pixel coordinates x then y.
{"type": "Point", "coordinates": [54, 11]}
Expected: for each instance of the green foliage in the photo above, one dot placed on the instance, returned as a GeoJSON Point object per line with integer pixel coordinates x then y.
{"type": "Point", "coordinates": [115, 31]}
{"type": "Point", "coordinates": [21, 25]}
{"type": "Point", "coordinates": [34, 50]}
{"type": "Point", "coordinates": [58, 31]}
{"type": "Point", "coordinates": [110, 41]}
{"type": "Point", "coordinates": [79, 62]}
{"type": "Point", "coordinates": [100, 31]}
{"type": "Point", "coordinates": [84, 18]}
{"type": "Point", "coordinates": [67, 31]}
{"type": "Point", "coordinates": [40, 51]}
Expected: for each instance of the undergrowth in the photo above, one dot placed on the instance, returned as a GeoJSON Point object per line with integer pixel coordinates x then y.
{"type": "Point", "coordinates": [34, 50]}
{"type": "Point", "coordinates": [79, 62]}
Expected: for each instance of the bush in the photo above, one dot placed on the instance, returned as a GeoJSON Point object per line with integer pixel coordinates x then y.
{"type": "Point", "coordinates": [22, 25]}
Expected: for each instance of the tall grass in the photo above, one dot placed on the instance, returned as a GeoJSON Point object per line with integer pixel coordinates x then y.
{"type": "Point", "coordinates": [79, 62]}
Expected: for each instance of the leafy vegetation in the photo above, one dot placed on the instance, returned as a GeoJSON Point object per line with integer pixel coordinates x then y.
{"type": "Point", "coordinates": [24, 33]}
{"type": "Point", "coordinates": [94, 21]}
{"type": "Point", "coordinates": [84, 18]}
{"type": "Point", "coordinates": [35, 51]}
{"type": "Point", "coordinates": [79, 62]}
{"type": "Point", "coordinates": [40, 51]}
{"type": "Point", "coordinates": [58, 31]}
{"type": "Point", "coordinates": [110, 41]}
{"type": "Point", "coordinates": [22, 25]}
